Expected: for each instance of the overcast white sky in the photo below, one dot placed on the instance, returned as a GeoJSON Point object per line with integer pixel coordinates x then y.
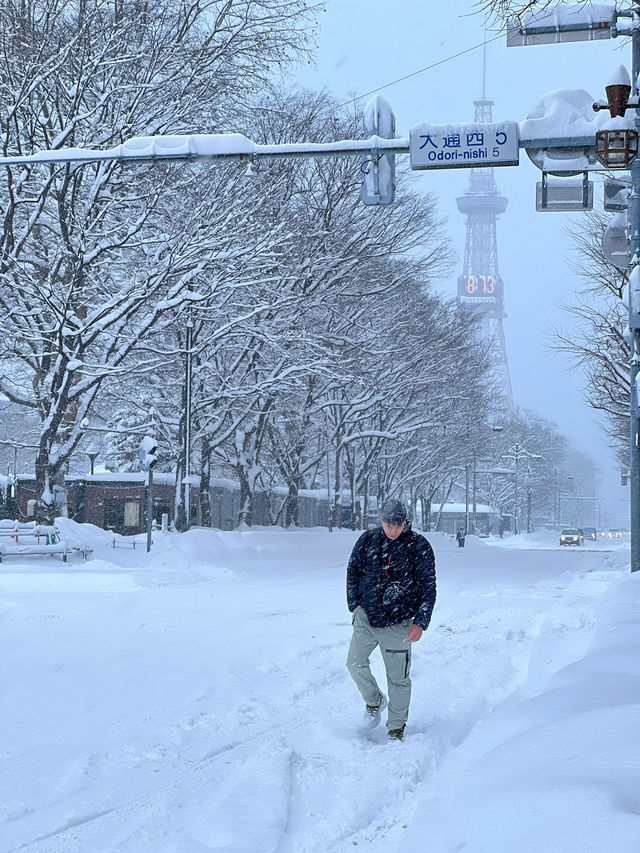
{"type": "Point", "coordinates": [364, 44]}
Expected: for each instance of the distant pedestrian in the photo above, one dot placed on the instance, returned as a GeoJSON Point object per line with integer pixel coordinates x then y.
{"type": "Point", "coordinates": [460, 538]}
{"type": "Point", "coordinates": [391, 591]}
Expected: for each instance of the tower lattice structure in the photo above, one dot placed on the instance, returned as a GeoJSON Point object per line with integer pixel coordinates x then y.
{"type": "Point", "coordinates": [480, 285]}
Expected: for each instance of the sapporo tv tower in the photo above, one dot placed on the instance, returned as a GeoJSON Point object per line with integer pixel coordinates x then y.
{"type": "Point", "coordinates": [480, 285]}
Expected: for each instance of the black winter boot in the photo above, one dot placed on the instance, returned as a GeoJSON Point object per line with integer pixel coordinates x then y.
{"type": "Point", "coordinates": [396, 734]}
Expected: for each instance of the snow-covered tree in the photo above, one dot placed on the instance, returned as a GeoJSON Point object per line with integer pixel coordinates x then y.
{"type": "Point", "coordinates": [95, 258]}
{"type": "Point", "coordinates": [334, 261]}
{"type": "Point", "coordinates": [598, 340]}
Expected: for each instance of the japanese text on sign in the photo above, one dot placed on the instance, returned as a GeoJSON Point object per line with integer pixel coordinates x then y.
{"type": "Point", "coordinates": [454, 146]}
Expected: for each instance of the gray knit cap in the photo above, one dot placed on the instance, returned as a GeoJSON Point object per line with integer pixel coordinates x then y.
{"type": "Point", "coordinates": [393, 511]}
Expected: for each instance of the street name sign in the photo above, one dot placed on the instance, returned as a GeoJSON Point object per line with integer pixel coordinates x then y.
{"type": "Point", "coordinates": [460, 146]}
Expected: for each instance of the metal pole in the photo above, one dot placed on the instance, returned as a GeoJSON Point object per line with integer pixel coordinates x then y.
{"type": "Point", "coordinates": [237, 147]}
{"type": "Point", "coordinates": [466, 499]}
{"type": "Point", "coordinates": [149, 508]}
{"type": "Point", "coordinates": [634, 252]}
{"type": "Point", "coordinates": [354, 497]}
{"type": "Point", "coordinates": [528, 509]}
{"type": "Point", "coordinates": [475, 513]}
{"type": "Point", "coordinates": [329, 513]}
{"type": "Point", "coordinates": [187, 426]}
{"type": "Point", "coordinates": [516, 526]}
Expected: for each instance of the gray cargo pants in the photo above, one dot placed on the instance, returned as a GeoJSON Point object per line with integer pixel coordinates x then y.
{"type": "Point", "coordinates": [396, 654]}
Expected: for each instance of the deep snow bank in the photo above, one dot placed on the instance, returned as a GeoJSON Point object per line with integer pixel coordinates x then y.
{"type": "Point", "coordinates": [556, 770]}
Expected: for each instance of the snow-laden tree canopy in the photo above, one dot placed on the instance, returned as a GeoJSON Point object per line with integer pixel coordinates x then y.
{"type": "Point", "coordinates": [93, 258]}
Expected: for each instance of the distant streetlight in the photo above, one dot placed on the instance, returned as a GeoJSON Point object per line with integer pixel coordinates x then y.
{"type": "Point", "coordinates": [516, 453]}
{"type": "Point", "coordinates": [92, 453]}
{"type": "Point", "coordinates": [570, 487]}
{"type": "Point", "coordinates": [495, 430]}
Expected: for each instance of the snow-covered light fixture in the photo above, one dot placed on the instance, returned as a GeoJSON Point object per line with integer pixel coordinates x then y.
{"type": "Point", "coordinates": [617, 140]}
{"type": "Point", "coordinates": [618, 90]}
{"type": "Point", "coordinates": [617, 144]}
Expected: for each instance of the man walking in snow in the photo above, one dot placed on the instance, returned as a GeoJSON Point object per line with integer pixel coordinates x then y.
{"type": "Point", "coordinates": [391, 591]}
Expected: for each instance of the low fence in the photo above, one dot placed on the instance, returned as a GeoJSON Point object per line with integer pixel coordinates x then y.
{"type": "Point", "coordinates": [313, 507]}
{"type": "Point", "coordinates": [117, 501]}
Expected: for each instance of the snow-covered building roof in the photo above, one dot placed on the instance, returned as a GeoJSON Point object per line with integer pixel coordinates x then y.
{"type": "Point", "coordinates": [459, 508]}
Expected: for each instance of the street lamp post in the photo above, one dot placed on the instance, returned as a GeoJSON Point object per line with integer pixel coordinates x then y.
{"type": "Point", "coordinates": [495, 429]}
{"type": "Point", "coordinates": [568, 496]}
{"type": "Point", "coordinates": [466, 499]}
{"type": "Point", "coordinates": [516, 505]}
{"type": "Point", "coordinates": [147, 458]}
{"type": "Point", "coordinates": [474, 523]}
{"type": "Point", "coordinates": [516, 453]}
{"type": "Point", "coordinates": [634, 318]}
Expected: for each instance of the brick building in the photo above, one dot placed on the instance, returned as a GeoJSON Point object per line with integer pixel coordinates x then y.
{"type": "Point", "coordinates": [113, 501]}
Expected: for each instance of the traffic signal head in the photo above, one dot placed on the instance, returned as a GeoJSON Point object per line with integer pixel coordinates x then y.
{"type": "Point", "coordinates": [378, 169]}
{"type": "Point", "coordinates": [147, 457]}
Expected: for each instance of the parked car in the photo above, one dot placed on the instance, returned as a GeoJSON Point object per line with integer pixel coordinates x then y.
{"type": "Point", "coordinates": [590, 533]}
{"type": "Point", "coordinates": [570, 536]}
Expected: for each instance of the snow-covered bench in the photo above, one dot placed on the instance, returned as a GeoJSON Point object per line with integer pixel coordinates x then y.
{"type": "Point", "coordinates": [19, 539]}
{"type": "Point", "coordinates": [29, 531]}
{"type": "Point", "coordinates": [34, 550]}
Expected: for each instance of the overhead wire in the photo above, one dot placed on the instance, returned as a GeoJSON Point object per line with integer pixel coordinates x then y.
{"type": "Point", "coordinates": [422, 70]}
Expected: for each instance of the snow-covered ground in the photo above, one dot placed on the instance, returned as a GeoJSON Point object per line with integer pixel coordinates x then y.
{"type": "Point", "coordinates": [196, 699]}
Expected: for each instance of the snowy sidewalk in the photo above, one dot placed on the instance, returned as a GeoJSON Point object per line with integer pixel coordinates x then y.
{"type": "Point", "coordinates": [196, 699]}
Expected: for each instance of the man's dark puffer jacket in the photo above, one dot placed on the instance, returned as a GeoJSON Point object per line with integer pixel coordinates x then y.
{"type": "Point", "coordinates": [392, 580]}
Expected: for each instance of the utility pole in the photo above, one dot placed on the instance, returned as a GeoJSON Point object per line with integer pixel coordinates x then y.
{"type": "Point", "coordinates": [516, 526]}
{"type": "Point", "coordinates": [466, 499]}
{"type": "Point", "coordinates": [634, 312]}
{"type": "Point", "coordinates": [474, 529]}
{"type": "Point", "coordinates": [329, 504]}
{"type": "Point", "coordinates": [616, 147]}
{"type": "Point", "coordinates": [149, 509]}
{"type": "Point", "coordinates": [187, 423]}
{"type": "Point", "coordinates": [147, 458]}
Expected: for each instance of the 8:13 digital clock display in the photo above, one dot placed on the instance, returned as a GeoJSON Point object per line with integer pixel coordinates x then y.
{"type": "Point", "coordinates": [480, 285]}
